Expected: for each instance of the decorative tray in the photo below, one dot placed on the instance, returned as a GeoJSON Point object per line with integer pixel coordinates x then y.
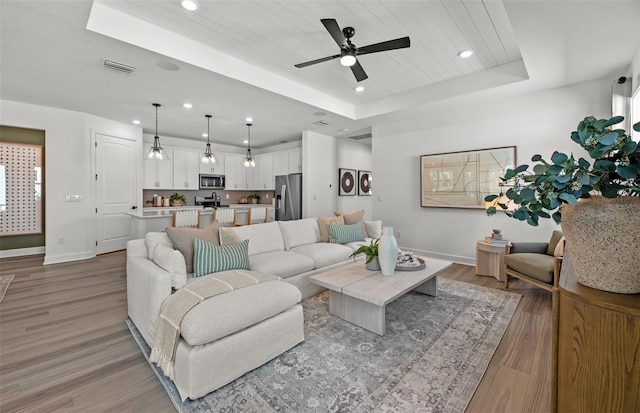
{"type": "Point", "coordinates": [405, 267]}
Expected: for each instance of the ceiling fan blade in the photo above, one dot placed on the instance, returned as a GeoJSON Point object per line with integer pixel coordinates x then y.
{"type": "Point", "coordinates": [313, 62]}
{"type": "Point", "coordinates": [358, 72]}
{"type": "Point", "coordinates": [334, 30]}
{"type": "Point", "coordinates": [400, 43]}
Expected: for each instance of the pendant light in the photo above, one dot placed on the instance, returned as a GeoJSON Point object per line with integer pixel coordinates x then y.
{"type": "Point", "coordinates": [208, 157]}
{"type": "Point", "coordinates": [156, 152]}
{"type": "Point", "coordinates": [249, 162]}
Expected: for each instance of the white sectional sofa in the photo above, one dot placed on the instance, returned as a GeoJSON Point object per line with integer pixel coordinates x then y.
{"type": "Point", "coordinates": [266, 319]}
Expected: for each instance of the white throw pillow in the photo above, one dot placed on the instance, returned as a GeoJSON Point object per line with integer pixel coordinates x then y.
{"type": "Point", "coordinates": [373, 228]}
{"type": "Point", "coordinates": [172, 261]}
{"type": "Point", "coordinates": [152, 239]}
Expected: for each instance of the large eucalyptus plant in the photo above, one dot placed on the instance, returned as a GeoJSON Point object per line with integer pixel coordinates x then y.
{"type": "Point", "coordinates": [563, 180]}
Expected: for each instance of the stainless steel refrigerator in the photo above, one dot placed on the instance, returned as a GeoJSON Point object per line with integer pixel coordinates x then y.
{"type": "Point", "coordinates": [288, 197]}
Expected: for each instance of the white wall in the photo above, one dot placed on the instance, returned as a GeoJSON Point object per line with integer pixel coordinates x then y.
{"type": "Point", "coordinates": [322, 155]}
{"type": "Point", "coordinates": [69, 137]}
{"type": "Point", "coordinates": [539, 122]}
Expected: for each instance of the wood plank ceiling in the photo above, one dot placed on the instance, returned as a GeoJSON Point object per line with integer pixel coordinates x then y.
{"type": "Point", "coordinates": [275, 35]}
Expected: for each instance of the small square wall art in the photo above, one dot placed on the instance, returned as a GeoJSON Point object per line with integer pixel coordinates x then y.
{"type": "Point", "coordinates": [347, 184]}
{"type": "Point", "coordinates": [365, 182]}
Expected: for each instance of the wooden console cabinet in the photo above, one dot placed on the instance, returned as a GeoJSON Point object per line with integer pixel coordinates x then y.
{"type": "Point", "coordinates": [598, 348]}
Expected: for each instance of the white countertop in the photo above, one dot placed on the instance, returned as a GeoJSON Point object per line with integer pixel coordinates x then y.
{"type": "Point", "coordinates": [164, 212]}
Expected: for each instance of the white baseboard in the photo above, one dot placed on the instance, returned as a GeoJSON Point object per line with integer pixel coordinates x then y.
{"type": "Point", "coordinates": [19, 252]}
{"type": "Point", "coordinates": [56, 259]}
{"type": "Point", "coordinates": [455, 258]}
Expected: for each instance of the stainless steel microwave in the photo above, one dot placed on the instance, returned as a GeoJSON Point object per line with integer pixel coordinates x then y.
{"type": "Point", "coordinates": [208, 181]}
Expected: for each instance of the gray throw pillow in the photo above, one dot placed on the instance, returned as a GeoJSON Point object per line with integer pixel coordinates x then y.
{"type": "Point", "coordinates": [182, 239]}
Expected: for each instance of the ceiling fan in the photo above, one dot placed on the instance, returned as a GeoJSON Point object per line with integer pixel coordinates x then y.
{"type": "Point", "coordinates": [349, 51]}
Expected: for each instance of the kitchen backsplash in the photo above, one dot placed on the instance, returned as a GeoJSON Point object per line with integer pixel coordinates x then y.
{"type": "Point", "coordinates": [266, 197]}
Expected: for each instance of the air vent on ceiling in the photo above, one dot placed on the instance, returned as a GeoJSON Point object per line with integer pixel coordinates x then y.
{"type": "Point", "coordinates": [117, 66]}
{"type": "Point", "coordinates": [360, 137]}
{"type": "Point", "coordinates": [321, 123]}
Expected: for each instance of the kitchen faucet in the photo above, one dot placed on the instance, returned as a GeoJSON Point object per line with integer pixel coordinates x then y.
{"type": "Point", "coordinates": [215, 199]}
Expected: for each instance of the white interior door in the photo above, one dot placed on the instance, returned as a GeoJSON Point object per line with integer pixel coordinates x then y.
{"type": "Point", "coordinates": [115, 191]}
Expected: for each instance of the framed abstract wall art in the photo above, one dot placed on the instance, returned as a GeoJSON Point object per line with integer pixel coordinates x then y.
{"type": "Point", "coordinates": [365, 182]}
{"type": "Point", "coordinates": [347, 182]}
{"type": "Point", "coordinates": [463, 179]}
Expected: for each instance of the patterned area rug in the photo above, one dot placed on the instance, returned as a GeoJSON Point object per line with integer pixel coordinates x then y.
{"type": "Point", "coordinates": [5, 280]}
{"type": "Point", "coordinates": [431, 359]}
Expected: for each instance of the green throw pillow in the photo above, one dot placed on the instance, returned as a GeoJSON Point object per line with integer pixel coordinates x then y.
{"type": "Point", "coordinates": [208, 257]}
{"type": "Point", "coordinates": [342, 234]}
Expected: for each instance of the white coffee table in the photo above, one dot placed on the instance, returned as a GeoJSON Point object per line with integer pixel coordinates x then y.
{"type": "Point", "coordinates": [360, 296]}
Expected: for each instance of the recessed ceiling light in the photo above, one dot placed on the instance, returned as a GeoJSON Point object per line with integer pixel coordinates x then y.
{"type": "Point", "coordinates": [359, 88]}
{"type": "Point", "coordinates": [465, 53]}
{"type": "Point", "coordinates": [248, 119]}
{"type": "Point", "coordinates": [136, 122]}
{"type": "Point", "coordinates": [191, 5]}
{"type": "Point", "coordinates": [187, 105]}
{"type": "Point", "coordinates": [245, 141]}
{"type": "Point", "coordinates": [344, 130]}
{"type": "Point", "coordinates": [204, 135]}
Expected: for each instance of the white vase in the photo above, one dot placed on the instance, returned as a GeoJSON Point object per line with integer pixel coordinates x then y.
{"type": "Point", "coordinates": [387, 251]}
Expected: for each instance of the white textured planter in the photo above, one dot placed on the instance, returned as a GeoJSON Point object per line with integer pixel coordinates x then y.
{"type": "Point", "coordinates": [374, 265]}
{"type": "Point", "coordinates": [604, 238]}
{"type": "Point", "coordinates": [387, 251]}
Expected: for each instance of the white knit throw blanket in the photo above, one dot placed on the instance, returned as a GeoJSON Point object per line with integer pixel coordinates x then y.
{"type": "Point", "coordinates": [182, 301]}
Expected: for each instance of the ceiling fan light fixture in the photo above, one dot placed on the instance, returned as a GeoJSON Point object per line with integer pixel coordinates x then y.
{"type": "Point", "coordinates": [249, 162]}
{"type": "Point", "coordinates": [465, 53]}
{"type": "Point", "coordinates": [359, 88]}
{"type": "Point", "coordinates": [347, 59]}
{"type": "Point", "coordinates": [191, 5]}
{"type": "Point", "coordinates": [156, 152]}
{"type": "Point", "coordinates": [208, 158]}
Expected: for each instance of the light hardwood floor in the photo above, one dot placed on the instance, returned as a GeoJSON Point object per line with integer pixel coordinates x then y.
{"type": "Point", "coordinates": [64, 345]}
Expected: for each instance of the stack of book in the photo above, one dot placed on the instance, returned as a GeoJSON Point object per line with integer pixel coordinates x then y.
{"type": "Point", "coordinates": [494, 241]}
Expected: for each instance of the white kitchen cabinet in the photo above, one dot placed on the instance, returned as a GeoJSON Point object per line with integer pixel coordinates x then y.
{"type": "Point", "coordinates": [157, 174]}
{"type": "Point", "coordinates": [251, 176]}
{"type": "Point", "coordinates": [280, 163]}
{"type": "Point", "coordinates": [186, 168]}
{"type": "Point", "coordinates": [295, 160]}
{"type": "Point", "coordinates": [264, 178]}
{"type": "Point", "coordinates": [217, 168]}
{"type": "Point", "coordinates": [235, 172]}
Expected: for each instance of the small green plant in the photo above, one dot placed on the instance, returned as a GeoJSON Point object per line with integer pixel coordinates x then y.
{"type": "Point", "coordinates": [254, 196]}
{"type": "Point", "coordinates": [177, 198]}
{"type": "Point", "coordinates": [541, 193]}
{"type": "Point", "coordinates": [371, 250]}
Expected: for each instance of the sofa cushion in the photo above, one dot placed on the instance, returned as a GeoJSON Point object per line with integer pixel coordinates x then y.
{"type": "Point", "coordinates": [323, 224]}
{"type": "Point", "coordinates": [172, 261]}
{"type": "Point", "coordinates": [281, 263]}
{"type": "Point", "coordinates": [537, 266]}
{"type": "Point", "coordinates": [373, 228]}
{"type": "Point", "coordinates": [227, 313]}
{"type": "Point", "coordinates": [264, 237]}
{"type": "Point", "coordinates": [299, 232]}
{"type": "Point", "coordinates": [208, 258]}
{"type": "Point", "coordinates": [152, 239]}
{"type": "Point", "coordinates": [324, 254]}
{"type": "Point", "coordinates": [182, 239]}
{"type": "Point", "coordinates": [342, 234]}
{"type": "Point", "coordinates": [357, 244]}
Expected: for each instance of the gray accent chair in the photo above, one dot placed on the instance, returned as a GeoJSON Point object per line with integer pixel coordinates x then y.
{"type": "Point", "coordinates": [537, 263]}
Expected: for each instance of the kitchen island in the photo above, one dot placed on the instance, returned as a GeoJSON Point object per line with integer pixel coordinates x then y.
{"type": "Point", "coordinates": [156, 219]}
